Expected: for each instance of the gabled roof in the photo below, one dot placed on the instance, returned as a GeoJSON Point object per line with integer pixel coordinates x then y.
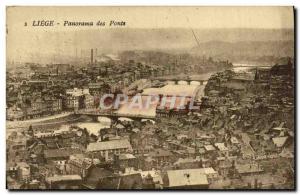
{"type": "Point", "coordinates": [109, 145]}
{"type": "Point", "coordinates": [280, 141]}
{"type": "Point", "coordinates": [126, 156]}
{"type": "Point", "coordinates": [95, 174]}
{"type": "Point", "coordinates": [209, 147]}
{"type": "Point", "coordinates": [131, 181]}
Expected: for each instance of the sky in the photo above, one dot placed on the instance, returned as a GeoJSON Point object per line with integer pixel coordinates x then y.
{"type": "Point", "coordinates": [26, 42]}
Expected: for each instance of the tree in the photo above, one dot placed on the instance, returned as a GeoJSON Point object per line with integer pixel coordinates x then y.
{"type": "Point", "coordinates": [30, 130]}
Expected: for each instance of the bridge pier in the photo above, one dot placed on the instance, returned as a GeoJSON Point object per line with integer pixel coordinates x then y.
{"type": "Point", "coordinates": [201, 82]}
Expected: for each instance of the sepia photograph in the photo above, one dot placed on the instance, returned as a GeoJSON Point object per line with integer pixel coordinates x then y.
{"type": "Point", "coordinates": [150, 98]}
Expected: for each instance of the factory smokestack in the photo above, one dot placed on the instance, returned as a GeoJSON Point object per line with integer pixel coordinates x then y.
{"type": "Point", "coordinates": [92, 56]}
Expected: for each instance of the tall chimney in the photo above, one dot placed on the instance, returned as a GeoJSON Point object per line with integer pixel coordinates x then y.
{"type": "Point", "coordinates": [92, 57]}
{"type": "Point", "coordinates": [96, 55]}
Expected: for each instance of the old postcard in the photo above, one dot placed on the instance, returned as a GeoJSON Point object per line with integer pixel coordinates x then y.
{"type": "Point", "coordinates": [150, 98]}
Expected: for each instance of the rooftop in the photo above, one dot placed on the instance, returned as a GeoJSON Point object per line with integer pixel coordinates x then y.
{"type": "Point", "coordinates": [58, 178]}
{"type": "Point", "coordinates": [280, 141]}
{"type": "Point", "coordinates": [209, 147]}
{"type": "Point", "coordinates": [160, 153]}
{"type": "Point", "coordinates": [186, 177]}
{"type": "Point", "coordinates": [221, 146]}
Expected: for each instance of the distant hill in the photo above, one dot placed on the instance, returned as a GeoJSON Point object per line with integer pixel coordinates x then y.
{"type": "Point", "coordinates": [235, 44]}
{"type": "Point", "coordinates": [246, 51]}
{"type": "Point", "coordinates": [173, 38]}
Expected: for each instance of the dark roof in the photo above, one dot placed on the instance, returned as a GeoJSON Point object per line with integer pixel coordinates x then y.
{"type": "Point", "coordinates": [248, 168]}
{"type": "Point", "coordinates": [61, 153]}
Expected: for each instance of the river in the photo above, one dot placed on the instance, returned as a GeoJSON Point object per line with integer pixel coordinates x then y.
{"type": "Point", "coordinates": [239, 67]}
